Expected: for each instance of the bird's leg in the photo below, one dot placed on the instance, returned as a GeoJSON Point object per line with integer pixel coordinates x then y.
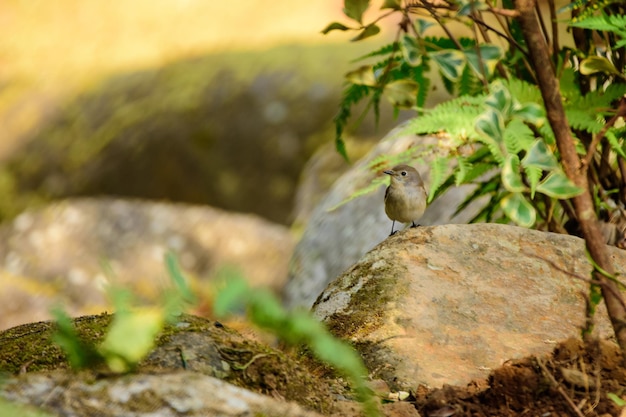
{"type": "Point", "coordinates": [414, 225]}
{"type": "Point", "coordinates": [393, 222]}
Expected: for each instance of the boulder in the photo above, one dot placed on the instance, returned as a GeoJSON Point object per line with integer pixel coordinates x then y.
{"type": "Point", "coordinates": [68, 252]}
{"type": "Point", "coordinates": [338, 235]}
{"type": "Point", "coordinates": [446, 304]}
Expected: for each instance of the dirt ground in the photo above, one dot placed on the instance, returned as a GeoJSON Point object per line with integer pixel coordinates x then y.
{"type": "Point", "coordinates": [578, 379]}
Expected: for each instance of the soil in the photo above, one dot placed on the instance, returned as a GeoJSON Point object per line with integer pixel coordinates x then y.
{"type": "Point", "coordinates": [578, 379]}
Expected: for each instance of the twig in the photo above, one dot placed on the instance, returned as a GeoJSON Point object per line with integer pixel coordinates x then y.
{"type": "Point", "coordinates": [558, 387]}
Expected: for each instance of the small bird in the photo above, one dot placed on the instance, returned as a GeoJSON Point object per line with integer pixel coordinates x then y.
{"type": "Point", "coordinates": [405, 198]}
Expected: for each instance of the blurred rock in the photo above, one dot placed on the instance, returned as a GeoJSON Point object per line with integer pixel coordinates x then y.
{"type": "Point", "coordinates": [336, 237]}
{"type": "Point", "coordinates": [68, 252]}
{"type": "Point", "coordinates": [229, 130]}
{"type": "Point", "coordinates": [164, 395]}
{"type": "Point", "coordinates": [447, 304]}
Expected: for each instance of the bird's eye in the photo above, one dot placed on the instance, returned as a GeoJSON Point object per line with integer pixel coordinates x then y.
{"type": "Point", "coordinates": [403, 173]}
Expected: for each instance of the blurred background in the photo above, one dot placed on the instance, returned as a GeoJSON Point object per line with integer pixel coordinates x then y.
{"type": "Point", "coordinates": [196, 101]}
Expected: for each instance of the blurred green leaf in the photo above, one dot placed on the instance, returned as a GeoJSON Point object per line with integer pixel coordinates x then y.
{"type": "Point", "coordinates": [491, 125]}
{"type": "Point", "coordinates": [595, 64]}
{"type": "Point", "coordinates": [558, 185]}
{"type": "Point", "coordinates": [410, 51]}
{"type": "Point", "coordinates": [402, 93]}
{"type": "Point", "coordinates": [529, 112]}
{"type": "Point", "coordinates": [540, 156]}
{"type": "Point", "coordinates": [422, 25]}
{"type": "Point", "coordinates": [334, 26]}
{"type": "Point", "coordinates": [518, 209]}
{"type": "Point", "coordinates": [363, 75]}
{"type": "Point", "coordinates": [500, 99]}
{"type": "Point", "coordinates": [354, 9]}
{"type": "Point", "coordinates": [467, 7]}
{"type": "Point", "coordinates": [489, 56]}
{"type": "Point", "coordinates": [368, 31]}
{"type": "Point", "coordinates": [79, 354]}
{"type": "Point", "coordinates": [616, 399]}
{"type": "Point", "coordinates": [180, 282]}
{"type": "Point", "coordinates": [232, 296]}
{"type": "Point", "coordinates": [391, 4]}
{"type": "Point", "coordinates": [511, 178]}
{"type": "Point", "coordinates": [131, 337]}
{"type": "Point", "coordinates": [450, 62]}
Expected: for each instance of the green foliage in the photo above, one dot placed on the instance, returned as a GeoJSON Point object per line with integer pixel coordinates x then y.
{"type": "Point", "coordinates": [133, 330]}
{"type": "Point", "coordinates": [494, 128]}
{"type": "Point", "coordinates": [293, 327]}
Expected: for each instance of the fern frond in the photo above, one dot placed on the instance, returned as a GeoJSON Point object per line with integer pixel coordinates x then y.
{"type": "Point", "coordinates": [603, 22]}
{"type": "Point", "coordinates": [384, 50]}
{"type": "Point", "coordinates": [615, 142]}
{"type": "Point", "coordinates": [523, 91]}
{"type": "Point", "coordinates": [533, 174]}
{"type": "Point", "coordinates": [463, 166]}
{"type": "Point", "coordinates": [438, 173]}
{"type": "Point", "coordinates": [518, 136]}
{"type": "Point", "coordinates": [582, 119]}
{"type": "Point", "coordinates": [469, 84]}
{"type": "Point", "coordinates": [455, 117]}
{"type": "Point", "coordinates": [420, 76]}
{"type": "Point", "coordinates": [352, 94]}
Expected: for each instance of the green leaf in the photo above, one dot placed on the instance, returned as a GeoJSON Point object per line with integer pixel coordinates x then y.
{"type": "Point", "coordinates": [489, 56]}
{"type": "Point", "coordinates": [178, 278]}
{"type": "Point", "coordinates": [438, 173]}
{"type": "Point", "coordinates": [558, 185]}
{"type": "Point", "coordinates": [616, 399]}
{"type": "Point", "coordinates": [391, 4]}
{"type": "Point", "coordinates": [511, 178]}
{"type": "Point", "coordinates": [340, 147]}
{"type": "Point", "coordinates": [595, 64]}
{"type": "Point", "coordinates": [410, 51]}
{"type": "Point", "coordinates": [131, 337]}
{"type": "Point", "coordinates": [402, 93]}
{"type": "Point", "coordinates": [232, 296]}
{"type": "Point", "coordinates": [615, 143]}
{"type": "Point", "coordinates": [518, 209]}
{"type": "Point", "coordinates": [79, 354]}
{"type": "Point", "coordinates": [533, 175]}
{"type": "Point", "coordinates": [529, 112]}
{"type": "Point", "coordinates": [491, 125]}
{"type": "Point", "coordinates": [500, 99]}
{"type": "Point", "coordinates": [363, 75]}
{"type": "Point", "coordinates": [368, 31]}
{"type": "Point", "coordinates": [469, 6]}
{"type": "Point", "coordinates": [422, 25]}
{"type": "Point", "coordinates": [334, 26]}
{"type": "Point", "coordinates": [450, 62]}
{"type": "Point", "coordinates": [462, 168]}
{"type": "Point", "coordinates": [354, 9]}
{"type": "Point", "coordinates": [518, 137]}
{"type": "Point", "coordinates": [540, 156]}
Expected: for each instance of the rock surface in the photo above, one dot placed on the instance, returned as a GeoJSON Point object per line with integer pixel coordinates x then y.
{"type": "Point", "coordinates": [163, 395]}
{"type": "Point", "coordinates": [446, 304]}
{"type": "Point", "coordinates": [66, 253]}
{"type": "Point", "coordinates": [337, 237]}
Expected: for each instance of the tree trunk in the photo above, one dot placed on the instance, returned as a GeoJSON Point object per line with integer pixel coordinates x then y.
{"type": "Point", "coordinates": [583, 204]}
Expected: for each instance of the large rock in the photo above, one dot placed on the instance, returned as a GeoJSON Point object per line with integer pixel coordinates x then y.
{"type": "Point", "coordinates": [67, 252]}
{"type": "Point", "coordinates": [446, 304]}
{"type": "Point", "coordinates": [336, 237]}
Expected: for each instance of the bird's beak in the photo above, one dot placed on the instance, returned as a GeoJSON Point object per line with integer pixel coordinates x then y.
{"type": "Point", "coordinates": [389, 172]}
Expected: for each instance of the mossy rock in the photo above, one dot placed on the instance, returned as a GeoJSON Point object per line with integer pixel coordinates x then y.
{"type": "Point", "coordinates": [191, 343]}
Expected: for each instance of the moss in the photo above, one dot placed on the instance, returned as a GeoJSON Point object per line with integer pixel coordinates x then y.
{"type": "Point", "coordinates": [251, 365]}
{"type": "Point", "coordinates": [367, 307]}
